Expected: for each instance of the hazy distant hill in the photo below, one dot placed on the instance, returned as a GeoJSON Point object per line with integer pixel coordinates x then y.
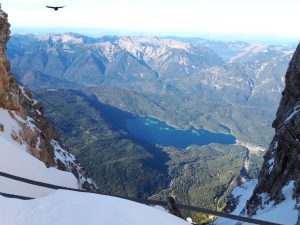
{"type": "Point", "coordinates": [93, 61]}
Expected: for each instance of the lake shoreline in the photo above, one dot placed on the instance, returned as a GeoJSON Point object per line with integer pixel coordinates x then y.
{"type": "Point", "coordinates": [160, 132]}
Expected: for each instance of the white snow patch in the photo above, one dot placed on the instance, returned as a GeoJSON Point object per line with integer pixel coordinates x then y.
{"type": "Point", "coordinates": [38, 144]}
{"type": "Point", "coordinates": [160, 208]}
{"type": "Point", "coordinates": [60, 153]}
{"type": "Point", "coordinates": [38, 112]}
{"type": "Point", "coordinates": [295, 111]}
{"type": "Point", "coordinates": [271, 165]}
{"type": "Point", "coordinates": [187, 70]}
{"type": "Point", "coordinates": [183, 61]}
{"type": "Point", "coordinates": [66, 207]}
{"type": "Point", "coordinates": [68, 38]}
{"type": "Point", "coordinates": [171, 182]}
{"type": "Point", "coordinates": [24, 93]}
{"type": "Point", "coordinates": [69, 160]}
{"type": "Point", "coordinates": [17, 162]}
{"type": "Point", "coordinates": [284, 212]}
{"type": "Point", "coordinates": [288, 52]}
{"type": "Point", "coordinates": [217, 86]}
{"type": "Point", "coordinates": [29, 122]}
{"type": "Point", "coordinates": [10, 127]}
{"type": "Point", "coordinates": [252, 49]}
{"type": "Point", "coordinates": [18, 118]}
{"type": "Point", "coordinates": [242, 193]}
{"type": "Point", "coordinates": [247, 164]}
{"type": "Point", "coordinates": [256, 48]}
{"type": "Point", "coordinates": [64, 38]}
{"type": "Point", "coordinates": [35, 102]}
{"type": "Point", "coordinates": [262, 67]}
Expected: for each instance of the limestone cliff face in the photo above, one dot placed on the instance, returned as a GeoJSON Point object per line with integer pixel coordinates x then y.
{"type": "Point", "coordinates": [282, 160]}
{"type": "Point", "coordinates": [35, 131]}
{"type": "Point", "coordinates": [7, 82]}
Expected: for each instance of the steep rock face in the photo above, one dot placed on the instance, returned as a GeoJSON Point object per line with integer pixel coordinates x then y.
{"type": "Point", "coordinates": [281, 162]}
{"type": "Point", "coordinates": [8, 84]}
{"type": "Point", "coordinates": [35, 131]}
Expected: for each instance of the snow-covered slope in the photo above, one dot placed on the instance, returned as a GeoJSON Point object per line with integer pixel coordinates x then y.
{"type": "Point", "coordinates": [283, 213]}
{"type": "Point", "coordinates": [66, 207]}
{"type": "Point", "coordinates": [15, 160]}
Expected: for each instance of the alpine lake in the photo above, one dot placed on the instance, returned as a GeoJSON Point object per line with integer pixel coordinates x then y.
{"type": "Point", "coordinates": [158, 132]}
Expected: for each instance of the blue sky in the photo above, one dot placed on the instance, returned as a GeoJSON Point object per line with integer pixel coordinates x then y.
{"type": "Point", "coordinates": [255, 17]}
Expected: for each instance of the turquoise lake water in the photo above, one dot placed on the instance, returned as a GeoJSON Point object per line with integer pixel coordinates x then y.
{"type": "Point", "coordinates": [158, 132]}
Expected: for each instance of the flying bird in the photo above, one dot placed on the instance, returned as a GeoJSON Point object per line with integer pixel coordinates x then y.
{"type": "Point", "coordinates": [55, 7]}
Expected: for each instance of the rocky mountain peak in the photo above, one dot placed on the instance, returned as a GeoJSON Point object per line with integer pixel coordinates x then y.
{"type": "Point", "coordinates": [33, 130]}
{"type": "Point", "coordinates": [64, 38]}
{"type": "Point", "coordinates": [140, 43]}
{"type": "Point", "coordinates": [281, 165]}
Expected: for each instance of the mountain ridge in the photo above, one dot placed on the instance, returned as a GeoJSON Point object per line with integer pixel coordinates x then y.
{"type": "Point", "coordinates": [163, 67]}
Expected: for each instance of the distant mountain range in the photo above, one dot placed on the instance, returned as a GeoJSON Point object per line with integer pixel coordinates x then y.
{"type": "Point", "coordinates": [242, 76]}
{"type": "Point", "coordinates": [235, 71]}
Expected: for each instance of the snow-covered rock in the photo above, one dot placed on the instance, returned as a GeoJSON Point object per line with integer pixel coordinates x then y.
{"type": "Point", "coordinates": [14, 160]}
{"type": "Point", "coordinates": [283, 213]}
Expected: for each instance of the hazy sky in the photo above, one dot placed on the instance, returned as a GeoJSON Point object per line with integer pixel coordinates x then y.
{"type": "Point", "coordinates": [263, 17]}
